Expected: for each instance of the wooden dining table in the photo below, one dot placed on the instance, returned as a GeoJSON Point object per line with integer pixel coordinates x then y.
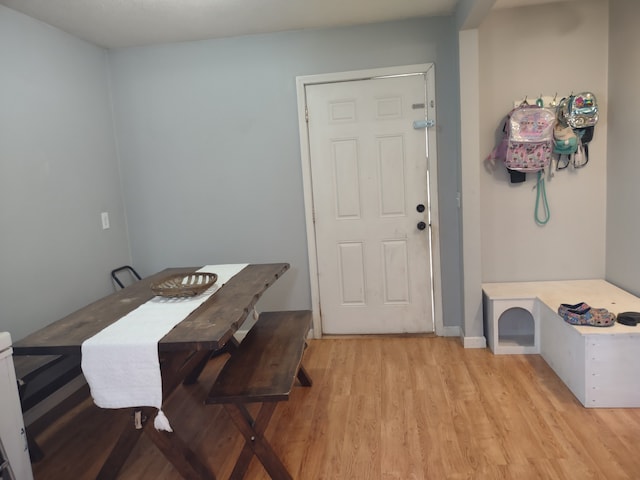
{"type": "Point", "coordinates": [184, 351]}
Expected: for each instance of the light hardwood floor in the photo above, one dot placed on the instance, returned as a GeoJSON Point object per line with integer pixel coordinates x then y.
{"type": "Point", "coordinates": [385, 408]}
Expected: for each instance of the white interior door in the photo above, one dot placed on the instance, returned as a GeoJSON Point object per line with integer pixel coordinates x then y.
{"type": "Point", "coordinates": [370, 198]}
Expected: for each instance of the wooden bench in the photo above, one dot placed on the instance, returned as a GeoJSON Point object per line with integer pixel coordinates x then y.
{"type": "Point", "coordinates": [40, 376]}
{"type": "Point", "coordinates": [263, 369]}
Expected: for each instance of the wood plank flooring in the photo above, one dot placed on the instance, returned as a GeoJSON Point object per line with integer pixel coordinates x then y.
{"type": "Point", "coordinates": [384, 408]}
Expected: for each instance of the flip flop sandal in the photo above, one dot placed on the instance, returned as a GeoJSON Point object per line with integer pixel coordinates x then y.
{"type": "Point", "coordinates": [630, 319]}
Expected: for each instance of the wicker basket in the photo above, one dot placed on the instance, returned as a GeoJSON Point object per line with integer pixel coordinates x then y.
{"type": "Point", "coordinates": [184, 284]}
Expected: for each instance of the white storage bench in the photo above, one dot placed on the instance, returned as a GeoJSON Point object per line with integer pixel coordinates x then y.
{"type": "Point", "coordinates": [598, 364]}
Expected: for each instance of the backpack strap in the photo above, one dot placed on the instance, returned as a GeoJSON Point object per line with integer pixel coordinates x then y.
{"type": "Point", "coordinates": [564, 165]}
{"type": "Point", "coordinates": [583, 153]}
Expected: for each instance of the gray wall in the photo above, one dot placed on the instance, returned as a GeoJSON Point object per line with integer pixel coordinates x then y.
{"type": "Point", "coordinates": [623, 164]}
{"type": "Point", "coordinates": [58, 171]}
{"type": "Point", "coordinates": [529, 51]}
{"type": "Point", "coordinates": [209, 144]}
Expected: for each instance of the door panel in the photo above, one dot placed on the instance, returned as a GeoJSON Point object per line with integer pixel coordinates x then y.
{"type": "Point", "coordinates": [351, 273]}
{"type": "Point", "coordinates": [369, 171]}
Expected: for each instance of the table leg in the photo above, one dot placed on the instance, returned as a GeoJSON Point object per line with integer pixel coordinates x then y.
{"type": "Point", "coordinates": [183, 368]}
{"type": "Point", "coordinates": [180, 455]}
{"type": "Point", "coordinates": [171, 445]}
{"type": "Point", "coordinates": [121, 450]}
{"type": "Point", "coordinates": [175, 450]}
{"type": "Point", "coordinates": [230, 347]}
{"type": "Point", "coordinates": [192, 377]}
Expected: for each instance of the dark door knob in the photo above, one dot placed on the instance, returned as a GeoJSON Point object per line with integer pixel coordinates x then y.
{"type": "Point", "coordinates": [421, 225]}
{"type": "Point", "coordinates": [420, 208]}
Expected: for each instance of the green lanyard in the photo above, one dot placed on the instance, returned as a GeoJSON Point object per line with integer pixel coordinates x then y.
{"type": "Point", "coordinates": [541, 193]}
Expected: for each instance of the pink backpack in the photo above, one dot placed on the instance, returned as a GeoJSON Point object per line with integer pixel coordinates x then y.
{"type": "Point", "coordinates": [527, 146]}
{"type": "Point", "coordinates": [529, 138]}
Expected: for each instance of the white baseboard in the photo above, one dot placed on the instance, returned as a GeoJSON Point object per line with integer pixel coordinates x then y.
{"type": "Point", "coordinates": [450, 331]}
{"type": "Point", "coordinates": [474, 342]}
{"type": "Point", "coordinates": [467, 342]}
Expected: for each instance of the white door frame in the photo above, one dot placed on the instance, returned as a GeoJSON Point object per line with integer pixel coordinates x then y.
{"type": "Point", "coordinates": [301, 82]}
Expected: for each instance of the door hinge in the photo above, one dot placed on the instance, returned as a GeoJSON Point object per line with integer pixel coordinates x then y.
{"type": "Point", "coordinates": [306, 114]}
{"type": "Point", "coordinates": [420, 124]}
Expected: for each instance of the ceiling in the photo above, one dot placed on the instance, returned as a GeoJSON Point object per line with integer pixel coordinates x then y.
{"type": "Point", "coordinates": [126, 23]}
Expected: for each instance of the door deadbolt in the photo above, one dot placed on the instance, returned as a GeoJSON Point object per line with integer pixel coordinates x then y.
{"type": "Point", "coordinates": [420, 208]}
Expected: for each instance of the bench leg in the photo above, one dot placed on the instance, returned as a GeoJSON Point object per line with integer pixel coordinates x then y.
{"type": "Point", "coordinates": [39, 425]}
{"type": "Point", "coordinates": [260, 425]}
{"type": "Point", "coordinates": [303, 377]}
{"type": "Point", "coordinates": [35, 452]}
{"type": "Point", "coordinates": [255, 443]}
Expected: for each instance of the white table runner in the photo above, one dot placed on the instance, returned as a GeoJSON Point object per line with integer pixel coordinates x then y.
{"type": "Point", "coordinates": [121, 362]}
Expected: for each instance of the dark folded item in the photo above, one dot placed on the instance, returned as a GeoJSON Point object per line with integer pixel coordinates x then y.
{"type": "Point", "coordinates": [629, 318]}
{"type": "Point", "coordinates": [517, 176]}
